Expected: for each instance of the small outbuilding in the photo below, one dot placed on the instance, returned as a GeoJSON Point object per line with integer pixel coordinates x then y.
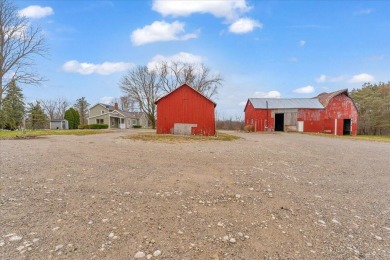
{"type": "Point", "coordinates": [59, 124]}
{"type": "Point", "coordinates": [185, 111]}
{"type": "Point", "coordinates": [333, 113]}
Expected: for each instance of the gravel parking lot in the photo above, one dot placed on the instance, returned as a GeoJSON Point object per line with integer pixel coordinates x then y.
{"type": "Point", "coordinates": [279, 196]}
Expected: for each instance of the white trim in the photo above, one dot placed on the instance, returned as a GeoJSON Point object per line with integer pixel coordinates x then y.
{"type": "Point", "coordinates": [335, 127]}
{"type": "Point", "coordinates": [351, 127]}
{"type": "Point", "coordinates": [109, 114]}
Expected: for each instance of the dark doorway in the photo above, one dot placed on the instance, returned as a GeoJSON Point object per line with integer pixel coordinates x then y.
{"type": "Point", "coordinates": [347, 127]}
{"type": "Point", "coordinates": [279, 122]}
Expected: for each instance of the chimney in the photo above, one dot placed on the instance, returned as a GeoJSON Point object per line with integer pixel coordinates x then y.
{"type": "Point", "coordinates": [116, 106]}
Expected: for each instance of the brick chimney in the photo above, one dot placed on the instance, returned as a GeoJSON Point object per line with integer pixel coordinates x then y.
{"type": "Point", "coordinates": [116, 106]}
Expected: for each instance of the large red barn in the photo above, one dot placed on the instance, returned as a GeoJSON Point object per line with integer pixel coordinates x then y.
{"type": "Point", "coordinates": [333, 113]}
{"type": "Point", "coordinates": [185, 111]}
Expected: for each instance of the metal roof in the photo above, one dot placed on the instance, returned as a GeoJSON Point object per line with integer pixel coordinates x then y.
{"type": "Point", "coordinates": [286, 103]}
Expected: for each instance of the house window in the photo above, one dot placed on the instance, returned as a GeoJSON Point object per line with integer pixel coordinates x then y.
{"type": "Point", "coordinates": [99, 121]}
{"type": "Point", "coordinates": [102, 112]}
{"type": "Point", "coordinates": [135, 122]}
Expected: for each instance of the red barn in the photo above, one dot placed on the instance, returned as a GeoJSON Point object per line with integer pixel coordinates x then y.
{"type": "Point", "coordinates": [333, 113]}
{"type": "Point", "coordinates": [185, 111]}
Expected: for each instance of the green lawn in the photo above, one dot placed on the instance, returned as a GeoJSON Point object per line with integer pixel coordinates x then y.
{"type": "Point", "coordinates": [35, 133]}
{"type": "Point", "coordinates": [381, 138]}
{"type": "Point", "coordinates": [180, 138]}
{"type": "Point", "coordinates": [378, 138]}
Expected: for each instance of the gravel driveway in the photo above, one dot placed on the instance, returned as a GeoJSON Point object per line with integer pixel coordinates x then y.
{"type": "Point", "coordinates": [279, 196]}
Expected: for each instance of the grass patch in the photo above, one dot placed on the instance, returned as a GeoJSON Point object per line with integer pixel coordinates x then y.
{"type": "Point", "coordinates": [152, 137]}
{"type": "Point", "coordinates": [380, 138]}
{"type": "Point", "coordinates": [37, 133]}
{"type": "Point", "coordinates": [377, 138]}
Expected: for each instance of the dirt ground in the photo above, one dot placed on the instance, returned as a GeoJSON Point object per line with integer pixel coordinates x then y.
{"type": "Point", "coordinates": [265, 196]}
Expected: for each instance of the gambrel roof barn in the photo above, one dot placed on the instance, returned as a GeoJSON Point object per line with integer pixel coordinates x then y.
{"type": "Point", "coordinates": [333, 113]}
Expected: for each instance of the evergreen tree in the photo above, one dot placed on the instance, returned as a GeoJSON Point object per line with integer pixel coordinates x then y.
{"type": "Point", "coordinates": [82, 107]}
{"type": "Point", "coordinates": [76, 117]}
{"type": "Point", "coordinates": [73, 118]}
{"type": "Point", "coordinates": [70, 117]}
{"type": "Point", "coordinates": [12, 110]}
{"type": "Point", "coordinates": [37, 118]}
{"type": "Point", "coordinates": [373, 103]}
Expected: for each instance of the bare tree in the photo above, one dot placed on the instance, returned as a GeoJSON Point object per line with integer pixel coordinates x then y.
{"type": "Point", "coordinates": [19, 43]}
{"type": "Point", "coordinates": [54, 109]}
{"type": "Point", "coordinates": [62, 106]}
{"type": "Point", "coordinates": [198, 76]}
{"type": "Point", "coordinates": [127, 103]}
{"type": "Point", "coordinates": [50, 108]}
{"type": "Point", "coordinates": [141, 85]}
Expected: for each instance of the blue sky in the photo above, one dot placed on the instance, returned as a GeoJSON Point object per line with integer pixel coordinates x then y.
{"type": "Point", "coordinates": [281, 49]}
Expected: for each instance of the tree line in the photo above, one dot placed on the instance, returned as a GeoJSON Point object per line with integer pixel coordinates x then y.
{"type": "Point", "coordinates": [15, 114]}
{"type": "Point", "coordinates": [373, 104]}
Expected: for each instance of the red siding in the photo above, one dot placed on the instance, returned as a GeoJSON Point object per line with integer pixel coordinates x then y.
{"type": "Point", "coordinates": [339, 108]}
{"type": "Point", "coordinates": [187, 106]}
{"type": "Point", "coordinates": [312, 118]}
{"type": "Point", "coordinates": [258, 118]}
{"type": "Point", "coordinates": [342, 107]}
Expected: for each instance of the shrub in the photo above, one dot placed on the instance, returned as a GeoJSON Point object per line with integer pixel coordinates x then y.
{"type": "Point", "coordinates": [249, 128]}
{"type": "Point", "coordinates": [84, 127]}
{"type": "Point", "coordinates": [137, 126]}
{"type": "Point", "coordinates": [97, 126]}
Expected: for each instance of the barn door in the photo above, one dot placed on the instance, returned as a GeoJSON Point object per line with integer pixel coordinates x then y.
{"type": "Point", "coordinates": [300, 126]}
{"type": "Point", "coordinates": [279, 122]}
{"type": "Point", "coordinates": [347, 127]}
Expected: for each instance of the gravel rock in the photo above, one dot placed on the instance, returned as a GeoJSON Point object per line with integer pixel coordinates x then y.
{"type": "Point", "coordinates": [156, 253]}
{"type": "Point", "coordinates": [139, 254]}
{"type": "Point", "coordinates": [107, 184]}
{"type": "Point", "coordinates": [15, 238]}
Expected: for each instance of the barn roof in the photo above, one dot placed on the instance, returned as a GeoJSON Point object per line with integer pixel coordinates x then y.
{"type": "Point", "coordinates": [185, 85]}
{"type": "Point", "coordinates": [325, 98]}
{"type": "Point", "coordinates": [286, 103]}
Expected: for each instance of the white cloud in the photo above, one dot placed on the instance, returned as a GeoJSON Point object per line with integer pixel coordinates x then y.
{"type": "Point", "coordinates": [179, 57]}
{"type": "Point", "coordinates": [302, 43]}
{"type": "Point", "coordinates": [361, 78]}
{"type": "Point", "coordinates": [161, 31]}
{"type": "Point", "coordinates": [107, 100]}
{"type": "Point", "coordinates": [36, 11]}
{"type": "Point", "coordinates": [269, 94]}
{"type": "Point", "coordinates": [304, 90]}
{"type": "Point", "coordinates": [323, 78]}
{"type": "Point", "coordinates": [364, 11]}
{"type": "Point", "coordinates": [104, 68]}
{"type": "Point", "coordinates": [242, 103]}
{"type": "Point", "coordinates": [229, 9]}
{"type": "Point", "coordinates": [244, 25]}
{"type": "Point", "coordinates": [292, 59]}
{"type": "Point", "coordinates": [375, 58]}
